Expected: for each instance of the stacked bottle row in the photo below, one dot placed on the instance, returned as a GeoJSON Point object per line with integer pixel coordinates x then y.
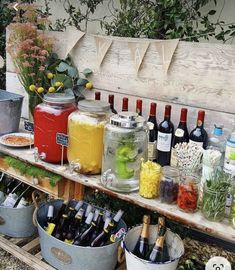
{"type": "Point", "coordinates": [13, 193]}
{"type": "Point", "coordinates": [82, 225]}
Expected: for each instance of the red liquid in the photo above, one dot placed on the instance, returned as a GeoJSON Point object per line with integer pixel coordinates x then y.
{"type": "Point", "coordinates": [48, 120]}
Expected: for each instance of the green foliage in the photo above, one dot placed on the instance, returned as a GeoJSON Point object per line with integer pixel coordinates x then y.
{"type": "Point", "coordinates": [64, 71]}
{"type": "Point", "coordinates": [166, 19]}
{"type": "Point", "coordinates": [5, 18]}
{"type": "Point", "coordinates": [80, 16]}
{"type": "Point", "coordinates": [30, 170]}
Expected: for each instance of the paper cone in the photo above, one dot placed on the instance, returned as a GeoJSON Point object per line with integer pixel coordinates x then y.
{"type": "Point", "coordinates": [138, 50]}
{"type": "Point", "coordinates": [73, 36]}
{"type": "Point", "coordinates": [166, 49]}
{"type": "Point", "coordinates": [102, 46]}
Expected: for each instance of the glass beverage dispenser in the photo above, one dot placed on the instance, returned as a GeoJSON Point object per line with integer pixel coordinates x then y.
{"type": "Point", "coordinates": [125, 144]}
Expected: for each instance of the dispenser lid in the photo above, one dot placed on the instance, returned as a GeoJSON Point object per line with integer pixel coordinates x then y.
{"type": "Point", "coordinates": [129, 120]}
{"type": "Point", "coordinates": [89, 105]}
{"type": "Point", "coordinates": [59, 98]}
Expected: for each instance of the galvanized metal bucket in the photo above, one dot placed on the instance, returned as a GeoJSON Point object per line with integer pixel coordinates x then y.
{"type": "Point", "coordinates": [174, 243]}
{"type": "Point", "coordinates": [10, 111]}
{"type": "Point", "coordinates": [17, 222]}
{"type": "Point", "coordinates": [64, 256]}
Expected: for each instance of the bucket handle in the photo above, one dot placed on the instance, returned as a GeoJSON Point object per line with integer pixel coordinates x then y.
{"type": "Point", "coordinates": [121, 254]}
{"type": "Point", "coordinates": [38, 197]}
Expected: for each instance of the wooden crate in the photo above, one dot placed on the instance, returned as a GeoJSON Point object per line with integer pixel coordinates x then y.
{"type": "Point", "coordinates": [64, 188]}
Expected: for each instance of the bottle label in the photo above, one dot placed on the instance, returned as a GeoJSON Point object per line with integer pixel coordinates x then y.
{"type": "Point", "coordinates": [179, 133]}
{"type": "Point", "coordinates": [229, 164]}
{"type": "Point", "coordinates": [174, 158]}
{"type": "Point", "coordinates": [164, 141]}
{"type": "Point", "coordinates": [199, 144]}
{"type": "Point", "coordinates": [10, 200]}
{"type": "Point", "coordinates": [152, 150]}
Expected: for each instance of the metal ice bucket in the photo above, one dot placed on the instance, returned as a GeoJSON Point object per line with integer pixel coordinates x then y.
{"type": "Point", "coordinates": [10, 111]}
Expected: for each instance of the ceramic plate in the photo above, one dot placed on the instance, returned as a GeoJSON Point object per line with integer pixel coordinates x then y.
{"type": "Point", "coordinates": [17, 139]}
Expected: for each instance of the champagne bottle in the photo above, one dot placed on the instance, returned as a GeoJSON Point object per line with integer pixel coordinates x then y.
{"type": "Point", "coordinates": [161, 223]}
{"type": "Point", "coordinates": [156, 255]}
{"type": "Point", "coordinates": [97, 95]}
{"type": "Point", "coordinates": [125, 104]}
{"type": "Point", "coordinates": [199, 135]}
{"type": "Point", "coordinates": [142, 245]}
{"type": "Point", "coordinates": [139, 103]}
{"type": "Point", "coordinates": [111, 102]}
{"type": "Point", "coordinates": [181, 135]}
{"type": "Point", "coordinates": [84, 228]}
{"type": "Point", "coordinates": [85, 237]}
{"type": "Point", "coordinates": [104, 236]}
{"type": "Point", "coordinates": [164, 138]}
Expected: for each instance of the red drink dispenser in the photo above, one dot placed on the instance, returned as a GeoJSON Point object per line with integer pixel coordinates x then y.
{"type": "Point", "coordinates": [51, 117]}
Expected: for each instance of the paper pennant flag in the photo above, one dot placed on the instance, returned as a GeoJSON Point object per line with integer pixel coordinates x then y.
{"type": "Point", "coordinates": [166, 49]}
{"type": "Point", "coordinates": [138, 51]}
{"type": "Point", "coordinates": [73, 36]}
{"type": "Point", "coordinates": [102, 46]}
{"type": "Point", "coordinates": [1, 62]}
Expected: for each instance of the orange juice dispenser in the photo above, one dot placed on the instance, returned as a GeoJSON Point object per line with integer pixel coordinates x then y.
{"type": "Point", "coordinates": [85, 131]}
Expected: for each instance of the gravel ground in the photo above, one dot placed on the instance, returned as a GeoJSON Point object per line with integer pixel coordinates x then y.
{"type": "Point", "coordinates": [192, 247]}
{"type": "Point", "coordinates": [9, 262]}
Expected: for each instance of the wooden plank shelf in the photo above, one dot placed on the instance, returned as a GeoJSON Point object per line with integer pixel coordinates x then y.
{"type": "Point", "coordinates": [25, 253]}
{"type": "Point", "coordinates": [196, 221]}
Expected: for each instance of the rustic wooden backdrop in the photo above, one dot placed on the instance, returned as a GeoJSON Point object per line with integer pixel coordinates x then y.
{"type": "Point", "coordinates": [201, 75]}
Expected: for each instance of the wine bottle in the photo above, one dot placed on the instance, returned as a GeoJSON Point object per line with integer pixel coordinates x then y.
{"type": "Point", "coordinates": [181, 135]}
{"type": "Point", "coordinates": [23, 199]}
{"type": "Point", "coordinates": [199, 135]}
{"type": "Point", "coordinates": [99, 227]}
{"type": "Point", "coordinates": [153, 129]}
{"type": "Point", "coordinates": [2, 188]}
{"type": "Point", "coordinates": [60, 227]}
{"type": "Point", "coordinates": [97, 95]}
{"type": "Point", "coordinates": [156, 255]}
{"type": "Point", "coordinates": [61, 211]}
{"type": "Point", "coordinates": [139, 106]}
{"type": "Point", "coordinates": [12, 196]}
{"type": "Point", "coordinates": [74, 229]}
{"type": "Point", "coordinates": [111, 102]}
{"type": "Point", "coordinates": [104, 236]}
{"type": "Point", "coordinates": [85, 237]}
{"type": "Point", "coordinates": [125, 104]}
{"type": "Point", "coordinates": [88, 210]}
{"type": "Point", "coordinates": [161, 223]}
{"type": "Point", "coordinates": [49, 226]}
{"type": "Point", "coordinates": [116, 220]}
{"type": "Point", "coordinates": [142, 245]}
{"type": "Point", "coordinates": [84, 228]}
{"type": "Point", "coordinates": [164, 138]}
